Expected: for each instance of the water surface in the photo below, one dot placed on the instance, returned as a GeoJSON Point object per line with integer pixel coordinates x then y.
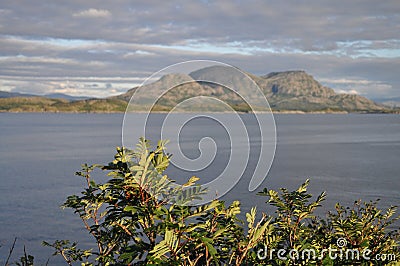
{"type": "Point", "coordinates": [349, 156]}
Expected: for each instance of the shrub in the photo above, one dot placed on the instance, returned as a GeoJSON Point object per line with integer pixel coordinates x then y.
{"type": "Point", "coordinates": [138, 218]}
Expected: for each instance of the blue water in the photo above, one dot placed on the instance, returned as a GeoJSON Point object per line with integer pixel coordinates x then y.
{"type": "Point", "coordinates": [349, 156]}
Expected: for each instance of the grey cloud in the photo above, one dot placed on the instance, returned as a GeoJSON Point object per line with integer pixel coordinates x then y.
{"type": "Point", "coordinates": [166, 22]}
{"type": "Point", "coordinates": [128, 39]}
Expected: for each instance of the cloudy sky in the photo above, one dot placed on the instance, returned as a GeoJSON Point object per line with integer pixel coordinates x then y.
{"type": "Point", "coordinates": [102, 48]}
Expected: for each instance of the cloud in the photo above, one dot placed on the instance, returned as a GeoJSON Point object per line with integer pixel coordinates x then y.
{"type": "Point", "coordinates": [347, 91]}
{"type": "Point", "coordinates": [370, 88]}
{"type": "Point", "coordinates": [344, 41]}
{"type": "Point", "coordinates": [74, 88]}
{"type": "Point", "coordinates": [93, 13]}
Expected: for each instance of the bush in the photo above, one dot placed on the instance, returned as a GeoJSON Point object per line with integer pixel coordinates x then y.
{"type": "Point", "coordinates": [138, 218]}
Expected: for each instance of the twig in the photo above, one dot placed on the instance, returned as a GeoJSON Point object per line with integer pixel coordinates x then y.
{"type": "Point", "coordinates": [11, 251]}
{"type": "Point", "coordinates": [25, 256]}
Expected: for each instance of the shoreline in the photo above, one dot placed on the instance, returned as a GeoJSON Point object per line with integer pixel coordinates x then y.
{"type": "Point", "coordinates": [299, 112]}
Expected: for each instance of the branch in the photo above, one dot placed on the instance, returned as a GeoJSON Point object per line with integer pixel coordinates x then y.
{"type": "Point", "coordinates": [11, 251]}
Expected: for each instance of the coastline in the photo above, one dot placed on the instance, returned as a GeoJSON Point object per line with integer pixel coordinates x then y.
{"type": "Point", "coordinates": [299, 112]}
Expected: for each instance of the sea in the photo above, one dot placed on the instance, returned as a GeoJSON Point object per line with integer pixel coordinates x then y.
{"type": "Point", "coordinates": [350, 156]}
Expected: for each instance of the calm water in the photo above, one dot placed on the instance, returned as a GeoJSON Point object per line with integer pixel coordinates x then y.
{"type": "Point", "coordinates": [349, 156]}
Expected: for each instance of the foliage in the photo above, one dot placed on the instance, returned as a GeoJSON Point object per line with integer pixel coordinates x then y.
{"type": "Point", "coordinates": [25, 260]}
{"type": "Point", "coordinates": [292, 222]}
{"type": "Point", "coordinates": [139, 217]}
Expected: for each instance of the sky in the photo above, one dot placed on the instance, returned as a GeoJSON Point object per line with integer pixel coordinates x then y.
{"type": "Point", "coordinates": [103, 48]}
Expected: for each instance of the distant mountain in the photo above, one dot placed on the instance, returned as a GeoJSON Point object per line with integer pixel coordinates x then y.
{"type": "Point", "coordinates": [66, 97]}
{"type": "Point", "coordinates": [297, 90]}
{"type": "Point", "coordinates": [288, 91]}
{"type": "Point", "coordinates": [6, 94]}
{"type": "Point", "coordinates": [285, 91]}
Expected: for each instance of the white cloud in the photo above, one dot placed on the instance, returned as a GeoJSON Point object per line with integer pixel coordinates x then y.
{"type": "Point", "coordinates": [369, 88]}
{"type": "Point", "coordinates": [137, 53]}
{"type": "Point", "coordinates": [347, 91]}
{"type": "Point", "coordinates": [70, 87]}
{"type": "Point", "coordinates": [347, 81]}
{"type": "Point", "coordinates": [93, 13]}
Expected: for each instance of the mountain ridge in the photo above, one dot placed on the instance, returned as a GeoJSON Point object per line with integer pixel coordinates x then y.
{"type": "Point", "coordinates": [286, 91]}
{"type": "Point", "coordinates": [293, 90]}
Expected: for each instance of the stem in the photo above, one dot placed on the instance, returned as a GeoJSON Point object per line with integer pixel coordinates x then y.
{"type": "Point", "coordinates": [11, 251]}
{"type": "Point", "coordinates": [65, 257]}
{"type": "Point", "coordinates": [124, 228]}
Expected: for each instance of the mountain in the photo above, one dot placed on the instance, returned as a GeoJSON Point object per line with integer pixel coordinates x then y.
{"type": "Point", "coordinates": [66, 97]}
{"type": "Point", "coordinates": [297, 90]}
{"type": "Point", "coordinates": [6, 94]}
{"type": "Point", "coordinates": [286, 91]}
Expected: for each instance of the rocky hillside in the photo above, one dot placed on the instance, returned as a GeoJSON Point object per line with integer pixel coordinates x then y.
{"type": "Point", "coordinates": [285, 91]}
{"type": "Point", "coordinates": [297, 90]}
